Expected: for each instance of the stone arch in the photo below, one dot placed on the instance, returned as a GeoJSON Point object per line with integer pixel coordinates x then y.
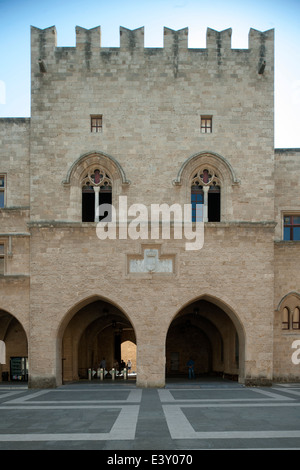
{"type": "Point", "coordinates": [80, 332]}
{"type": "Point", "coordinates": [192, 310]}
{"type": "Point", "coordinates": [222, 302]}
{"type": "Point", "coordinates": [287, 310]}
{"type": "Point", "coordinates": [14, 337]}
{"type": "Point", "coordinates": [286, 298]}
{"type": "Point", "coordinates": [73, 309]}
{"type": "Point", "coordinates": [82, 163]}
{"type": "Point", "coordinates": [79, 199]}
{"type": "Point", "coordinates": [197, 159]}
{"type": "Point", "coordinates": [217, 165]}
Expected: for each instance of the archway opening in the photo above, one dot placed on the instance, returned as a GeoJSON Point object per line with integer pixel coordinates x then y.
{"type": "Point", "coordinates": [95, 332]}
{"type": "Point", "coordinates": [128, 353]}
{"type": "Point", "coordinates": [205, 333]}
{"type": "Point", "coordinates": [13, 349]}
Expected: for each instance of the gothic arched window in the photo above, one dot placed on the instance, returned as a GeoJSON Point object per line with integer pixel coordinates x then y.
{"type": "Point", "coordinates": [96, 190]}
{"type": "Point", "coordinates": [296, 318]}
{"type": "Point", "coordinates": [206, 190]}
{"type": "Point", "coordinates": [94, 178]}
{"type": "Point", "coordinates": [285, 318]}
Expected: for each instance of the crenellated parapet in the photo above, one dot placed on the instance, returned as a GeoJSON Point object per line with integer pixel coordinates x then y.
{"type": "Point", "coordinates": [43, 41]}
{"type": "Point", "coordinates": [177, 40]}
{"type": "Point", "coordinates": [175, 43]}
{"type": "Point", "coordinates": [131, 39]}
{"type": "Point", "coordinates": [91, 37]}
{"type": "Point", "coordinates": [220, 40]}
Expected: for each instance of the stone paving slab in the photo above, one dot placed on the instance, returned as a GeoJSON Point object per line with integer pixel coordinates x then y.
{"type": "Point", "coordinates": [182, 417]}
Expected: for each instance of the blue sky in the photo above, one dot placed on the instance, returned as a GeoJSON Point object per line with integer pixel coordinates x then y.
{"type": "Point", "coordinates": [16, 17]}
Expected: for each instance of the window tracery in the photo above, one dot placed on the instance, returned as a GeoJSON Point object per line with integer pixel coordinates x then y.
{"type": "Point", "coordinates": [205, 176]}
{"type": "Point", "coordinates": [97, 177]}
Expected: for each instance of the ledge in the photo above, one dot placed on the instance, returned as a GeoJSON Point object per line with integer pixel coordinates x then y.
{"type": "Point", "coordinates": [287, 242]}
{"type": "Point", "coordinates": [238, 223]}
{"type": "Point", "coordinates": [15, 120]}
{"type": "Point", "coordinates": [14, 234]}
{"type": "Point", "coordinates": [12, 277]}
{"type": "Point", "coordinates": [60, 223]}
{"type": "Point", "coordinates": [287, 150]}
{"type": "Point", "coordinates": [15, 208]}
{"type": "Point", "coordinates": [66, 223]}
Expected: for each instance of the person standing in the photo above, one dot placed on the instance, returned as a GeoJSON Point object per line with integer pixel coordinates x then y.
{"type": "Point", "coordinates": [103, 364]}
{"type": "Point", "coordinates": [191, 365]}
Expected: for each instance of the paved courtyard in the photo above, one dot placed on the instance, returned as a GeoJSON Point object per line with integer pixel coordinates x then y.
{"type": "Point", "coordinates": [184, 416]}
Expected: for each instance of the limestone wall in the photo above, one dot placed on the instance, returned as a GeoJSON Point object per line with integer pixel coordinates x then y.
{"type": "Point", "coordinates": [287, 274]}
{"type": "Point", "coordinates": [151, 100]}
{"type": "Point", "coordinates": [14, 158]}
{"type": "Point", "coordinates": [14, 234]}
{"type": "Point", "coordinates": [71, 265]}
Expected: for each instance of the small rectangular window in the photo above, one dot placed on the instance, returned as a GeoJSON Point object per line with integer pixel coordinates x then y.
{"type": "Point", "coordinates": [1, 258]}
{"type": "Point", "coordinates": [96, 123]}
{"type": "Point", "coordinates": [206, 125]}
{"type": "Point", "coordinates": [2, 190]}
{"type": "Point", "coordinates": [291, 227]}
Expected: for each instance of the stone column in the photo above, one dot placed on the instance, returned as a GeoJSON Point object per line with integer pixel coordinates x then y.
{"type": "Point", "coordinates": [151, 360]}
{"type": "Point", "coordinates": [205, 206]}
{"type": "Point", "coordinates": [97, 191]}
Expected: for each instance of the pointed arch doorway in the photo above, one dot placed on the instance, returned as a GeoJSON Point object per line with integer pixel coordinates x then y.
{"type": "Point", "coordinates": [13, 349]}
{"type": "Point", "coordinates": [95, 331]}
{"type": "Point", "coordinates": [210, 334]}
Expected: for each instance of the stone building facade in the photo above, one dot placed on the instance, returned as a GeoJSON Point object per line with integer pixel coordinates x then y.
{"type": "Point", "coordinates": [143, 129]}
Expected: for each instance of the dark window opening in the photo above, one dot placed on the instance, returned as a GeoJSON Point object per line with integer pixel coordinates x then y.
{"type": "Point", "coordinates": [88, 209]}
{"type": "Point", "coordinates": [88, 203]}
{"type": "Point", "coordinates": [214, 204]}
{"type": "Point", "coordinates": [214, 210]}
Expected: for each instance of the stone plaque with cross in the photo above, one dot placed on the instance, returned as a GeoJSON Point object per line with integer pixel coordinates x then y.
{"type": "Point", "coordinates": [151, 261]}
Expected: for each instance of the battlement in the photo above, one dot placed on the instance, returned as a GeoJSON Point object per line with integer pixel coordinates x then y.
{"type": "Point", "coordinates": [175, 55]}
{"type": "Point", "coordinates": [44, 41]}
